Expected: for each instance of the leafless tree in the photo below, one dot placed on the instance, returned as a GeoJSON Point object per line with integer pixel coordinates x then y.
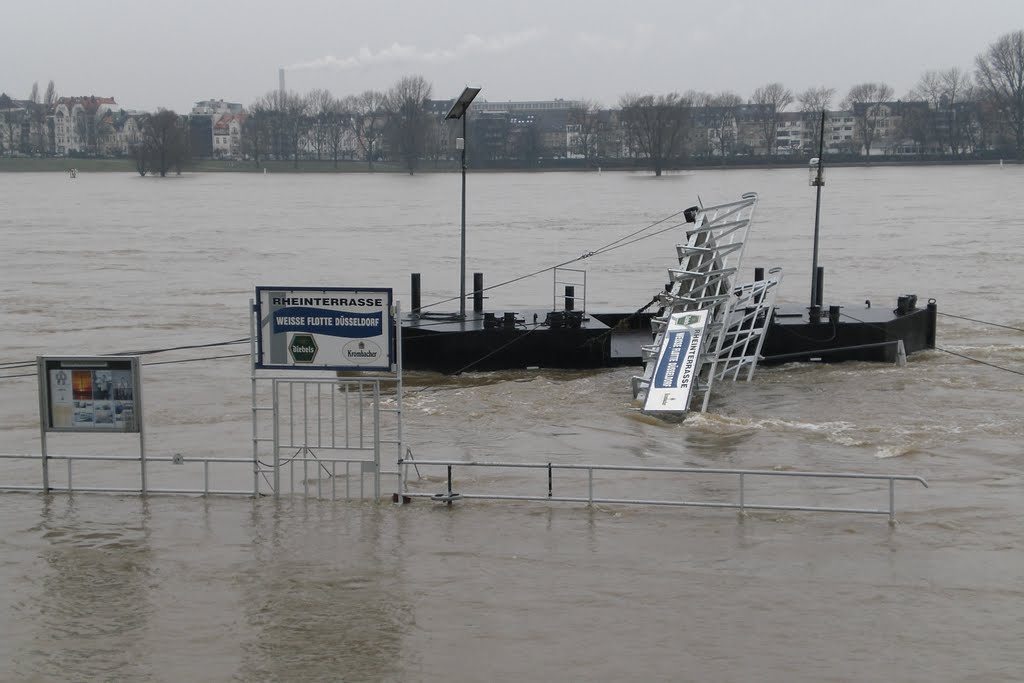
{"type": "Point", "coordinates": [813, 102]}
{"type": "Point", "coordinates": [771, 101]}
{"type": "Point", "coordinates": [321, 107]}
{"type": "Point", "coordinates": [369, 119]}
{"type": "Point", "coordinates": [11, 118]}
{"type": "Point", "coordinates": [720, 118]}
{"type": "Point", "coordinates": [337, 122]}
{"type": "Point", "coordinates": [1000, 75]}
{"type": "Point", "coordinates": [657, 127]}
{"type": "Point", "coordinates": [865, 100]}
{"type": "Point", "coordinates": [585, 119]}
{"type": "Point", "coordinates": [293, 112]}
{"type": "Point", "coordinates": [84, 129]}
{"type": "Point", "coordinates": [407, 101]}
{"type": "Point", "coordinates": [163, 141]}
{"type": "Point", "coordinates": [946, 93]}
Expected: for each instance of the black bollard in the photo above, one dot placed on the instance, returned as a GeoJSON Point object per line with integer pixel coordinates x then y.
{"type": "Point", "coordinates": [415, 293]}
{"type": "Point", "coordinates": [570, 297]}
{"type": "Point", "coordinates": [933, 311]}
{"type": "Point", "coordinates": [478, 292]}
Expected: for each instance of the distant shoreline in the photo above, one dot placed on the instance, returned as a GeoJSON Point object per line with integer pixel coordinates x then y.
{"type": "Point", "coordinates": [65, 164]}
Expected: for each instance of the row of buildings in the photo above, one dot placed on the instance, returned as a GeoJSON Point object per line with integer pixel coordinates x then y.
{"type": "Point", "coordinates": [527, 131]}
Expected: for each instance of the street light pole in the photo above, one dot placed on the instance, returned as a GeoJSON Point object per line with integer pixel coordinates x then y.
{"type": "Point", "coordinates": [459, 111]}
{"type": "Point", "coordinates": [818, 181]}
{"type": "Point", "coordinates": [462, 253]}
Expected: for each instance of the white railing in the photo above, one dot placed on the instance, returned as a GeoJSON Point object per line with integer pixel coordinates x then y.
{"type": "Point", "coordinates": [741, 503]}
{"type": "Point", "coordinates": [304, 471]}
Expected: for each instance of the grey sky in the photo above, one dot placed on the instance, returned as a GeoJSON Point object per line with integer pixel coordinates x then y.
{"type": "Point", "coordinates": [171, 54]}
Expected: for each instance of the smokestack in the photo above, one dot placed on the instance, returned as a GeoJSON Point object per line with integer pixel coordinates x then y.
{"type": "Point", "coordinates": [280, 79]}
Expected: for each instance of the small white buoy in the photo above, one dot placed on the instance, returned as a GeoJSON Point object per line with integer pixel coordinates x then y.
{"type": "Point", "coordinates": [264, 171]}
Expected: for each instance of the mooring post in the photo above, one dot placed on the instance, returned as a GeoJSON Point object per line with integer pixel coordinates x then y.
{"type": "Point", "coordinates": [820, 292]}
{"type": "Point", "coordinates": [449, 485]}
{"type": "Point", "coordinates": [478, 292]}
{"type": "Point", "coordinates": [570, 297]}
{"type": "Point", "coordinates": [929, 336]}
{"type": "Point", "coordinates": [549, 480]}
{"type": "Point", "coordinates": [415, 289]}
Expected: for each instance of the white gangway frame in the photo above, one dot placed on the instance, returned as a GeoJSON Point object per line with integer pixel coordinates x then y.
{"type": "Point", "coordinates": [737, 317]}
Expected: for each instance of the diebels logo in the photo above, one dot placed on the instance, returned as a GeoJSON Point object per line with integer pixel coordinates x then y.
{"type": "Point", "coordinates": [362, 352]}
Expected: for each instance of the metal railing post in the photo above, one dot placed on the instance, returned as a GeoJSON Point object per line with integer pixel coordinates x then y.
{"type": "Point", "coordinates": [892, 501]}
{"type": "Point", "coordinates": [743, 502]}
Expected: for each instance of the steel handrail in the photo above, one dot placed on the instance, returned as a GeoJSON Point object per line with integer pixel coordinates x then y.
{"type": "Point", "coordinates": [742, 504]}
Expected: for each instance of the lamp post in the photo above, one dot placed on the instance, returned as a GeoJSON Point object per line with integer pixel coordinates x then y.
{"type": "Point", "coordinates": [817, 178]}
{"type": "Point", "coordinates": [458, 111]}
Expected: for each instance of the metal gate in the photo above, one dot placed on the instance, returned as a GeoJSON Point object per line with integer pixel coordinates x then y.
{"type": "Point", "coordinates": [326, 437]}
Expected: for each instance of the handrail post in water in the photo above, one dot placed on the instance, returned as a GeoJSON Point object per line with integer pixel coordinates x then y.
{"type": "Point", "coordinates": [743, 512]}
{"type": "Point", "coordinates": [892, 502]}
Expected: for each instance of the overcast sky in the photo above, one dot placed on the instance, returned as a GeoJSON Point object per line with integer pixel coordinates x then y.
{"type": "Point", "coordinates": [171, 54]}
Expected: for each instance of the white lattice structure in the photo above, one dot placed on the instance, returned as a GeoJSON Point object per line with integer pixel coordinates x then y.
{"type": "Point", "coordinates": [708, 328]}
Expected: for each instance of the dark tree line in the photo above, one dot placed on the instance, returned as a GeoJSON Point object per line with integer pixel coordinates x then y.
{"type": "Point", "coordinates": [952, 113]}
{"type": "Point", "coordinates": [283, 125]}
{"type": "Point", "coordinates": [162, 144]}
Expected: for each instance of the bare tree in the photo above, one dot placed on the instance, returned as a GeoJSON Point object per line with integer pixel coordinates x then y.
{"type": "Point", "coordinates": [720, 114]}
{"type": "Point", "coordinates": [293, 114]}
{"type": "Point", "coordinates": [585, 123]}
{"type": "Point", "coordinates": [49, 105]}
{"type": "Point", "coordinates": [1000, 75]}
{"type": "Point", "coordinates": [946, 93]}
{"type": "Point", "coordinates": [320, 103]}
{"type": "Point", "coordinates": [771, 101]}
{"type": "Point", "coordinates": [657, 127]}
{"type": "Point", "coordinates": [369, 119]}
{"type": "Point", "coordinates": [11, 117]}
{"type": "Point", "coordinates": [407, 101]}
{"type": "Point", "coordinates": [269, 134]}
{"type": "Point", "coordinates": [163, 140]}
{"type": "Point", "coordinates": [812, 102]}
{"type": "Point", "coordinates": [37, 122]}
{"type": "Point", "coordinates": [338, 121]}
{"type": "Point", "coordinates": [865, 100]}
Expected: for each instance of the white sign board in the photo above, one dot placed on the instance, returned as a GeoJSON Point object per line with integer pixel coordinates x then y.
{"type": "Point", "coordinates": [90, 394]}
{"type": "Point", "coordinates": [678, 363]}
{"type": "Point", "coordinates": [334, 328]}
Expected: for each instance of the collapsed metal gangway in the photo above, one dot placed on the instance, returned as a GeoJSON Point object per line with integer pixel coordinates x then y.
{"type": "Point", "coordinates": [708, 328]}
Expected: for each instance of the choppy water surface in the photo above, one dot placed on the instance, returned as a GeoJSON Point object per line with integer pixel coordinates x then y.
{"type": "Point", "coordinates": [166, 589]}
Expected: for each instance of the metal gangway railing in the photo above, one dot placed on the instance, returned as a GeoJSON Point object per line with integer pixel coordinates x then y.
{"type": "Point", "coordinates": [573, 282]}
{"type": "Point", "coordinates": [741, 501]}
{"type": "Point", "coordinates": [703, 285]}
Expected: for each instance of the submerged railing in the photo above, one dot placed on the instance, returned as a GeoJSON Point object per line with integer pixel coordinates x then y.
{"type": "Point", "coordinates": [741, 503]}
{"type": "Point", "coordinates": [330, 478]}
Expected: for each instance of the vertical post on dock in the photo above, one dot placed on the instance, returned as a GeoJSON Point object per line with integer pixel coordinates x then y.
{"type": "Point", "coordinates": [459, 111]}
{"type": "Point", "coordinates": [462, 251]}
{"type": "Point", "coordinates": [415, 287]}
{"type": "Point", "coordinates": [478, 292]}
{"type": "Point", "coordinates": [818, 182]}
